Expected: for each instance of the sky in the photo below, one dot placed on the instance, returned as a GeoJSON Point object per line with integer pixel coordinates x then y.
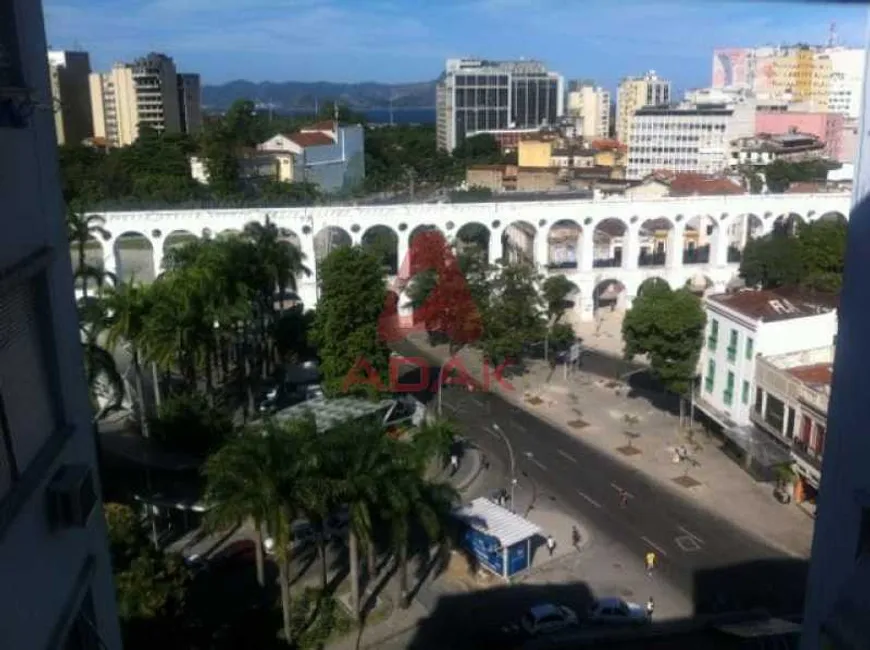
{"type": "Point", "coordinates": [398, 41]}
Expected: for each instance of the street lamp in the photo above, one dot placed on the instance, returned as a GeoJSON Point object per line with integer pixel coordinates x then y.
{"type": "Point", "coordinates": [513, 461]}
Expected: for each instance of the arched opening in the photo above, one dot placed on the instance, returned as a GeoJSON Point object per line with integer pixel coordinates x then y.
{"type": "Point", "coordinates": [327, 240]}
{"type": "Point", "coordinates": [609, 295]}
{"type": "Point", "coordinates": [289, 236]}
{"type": "Point", "coordinates": [834, 216]}
{"type": "Point", "coordinates": [134, 255]}
{"type": "Point", "coordinates": [787, 224]}
{"type": "Point", "coordinates": [383, 243]}
{"type": "Point", "coordinates": [700, 237]}
{"type": "Point", "coordinates": [654, 244]}
{"type": "Point", "coordinates": [177, 239]}
{"type": "Point", "coordinates": [473, 236]}
{"type": "Point", "coordinates": [563, 244]}
{"type": "Point", "coordinates": [741, 231]}
{"type": "Point", "coordinates": [518, 243]}
{"type": "Point", "coordinates": [608, 243]}
{"type": "Point", "coordinates": [413, 241]}
{"type": "Point", "coordinates": [93, 258]}
{"type": "Point", "coordinates": [650, 283]}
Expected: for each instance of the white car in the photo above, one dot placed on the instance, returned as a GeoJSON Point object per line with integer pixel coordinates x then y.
{"type": "Point", "coordinates": [616, 610]}
{"type": "Point", "coordinates": [547, 618]}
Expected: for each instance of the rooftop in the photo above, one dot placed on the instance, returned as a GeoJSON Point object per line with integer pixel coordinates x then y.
{"type": "Point", "coordinates": [311, 139]}
{"type": "Point", "coordinates": [692, 184]}
{"type": "Point", "coordinates": [814, 368]}
{"type": "Point", "coordinates": [329, 413]}
{"type": "Point", "coordinates": [772, 305]}
{"type": "Point", "coordinates": [508, 528]}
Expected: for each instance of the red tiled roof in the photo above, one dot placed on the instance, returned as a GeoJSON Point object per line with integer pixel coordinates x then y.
{"type": "Point", "coordinates": [817, 374]}
{"type": "Point", "coordinates": [608, 144]}
{"type": "Point", "coordinates": [311, 139]}
{"type": "Point", "coordinates": [690, 184]}
{"type": "Point", "coordinates": [779, 304]}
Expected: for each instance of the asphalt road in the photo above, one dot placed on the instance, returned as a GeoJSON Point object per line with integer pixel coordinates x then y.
{"type": "Point", "coordinates": [720, 567]}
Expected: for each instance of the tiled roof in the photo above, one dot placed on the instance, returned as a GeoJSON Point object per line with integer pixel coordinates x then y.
{"type": "Point", "coordinates": [608, 144]}
{"type": "Point", "coordinates": [818, 374]}
{"type": "Point", "coordinates": [311, 139]}
{"type": "Point", "coordinates": [780, 304]}
{"type": "Point", "coordinates": [688, 184]}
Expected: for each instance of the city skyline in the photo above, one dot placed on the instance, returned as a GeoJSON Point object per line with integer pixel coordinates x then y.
{"type": "Point", "coordinates": [393, 42]}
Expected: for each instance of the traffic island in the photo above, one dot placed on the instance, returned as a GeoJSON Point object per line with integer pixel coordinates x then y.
{"type": "Point", "coordinates": [687, 482]}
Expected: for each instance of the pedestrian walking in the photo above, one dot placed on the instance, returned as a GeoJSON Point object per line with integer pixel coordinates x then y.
{"type": "Point", "coordinates": [575, 536]}
{"type": "Point", "coordinates": [650, 606]}
{"type": "Point", "coordinates": [484, 461]}
{"type": "Point", "coordinates": [650, 562]}
{"type": "Point", "coordinates": [623, 498]}
{"type": "Point", "coordinates": [551, 544]}
{"type": "Point", "coordinates": [454, 463]}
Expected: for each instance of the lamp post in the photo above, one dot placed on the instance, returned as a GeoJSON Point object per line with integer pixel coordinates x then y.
{"type": "Point", "coordinates": [510, 449]}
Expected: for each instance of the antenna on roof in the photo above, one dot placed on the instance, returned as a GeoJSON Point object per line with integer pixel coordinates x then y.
{"type": "Point", "coordinates": [335, 111]}
{"type": "Point", "coordinates": [832, 35]}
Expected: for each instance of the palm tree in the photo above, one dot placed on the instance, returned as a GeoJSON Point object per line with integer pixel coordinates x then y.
{"type": "Point", "coordinates": [100, 367]}
{"type": "Point", "coordinates": [434, 439]}
{"type": "Point", "coordinates": [265, 476]}
{"type": "Point", "coordinates": [127, 307]}
{"type": "Point", "coordinates": [283, 261]}
{"type": "Point", "coordinates": [81, 228]}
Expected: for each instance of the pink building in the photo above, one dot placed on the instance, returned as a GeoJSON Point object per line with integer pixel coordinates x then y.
{"type": "Point", "coordinates": [827, 127]}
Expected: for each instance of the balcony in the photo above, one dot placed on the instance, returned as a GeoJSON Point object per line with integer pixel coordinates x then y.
{"type": "Point", "coordinates": [612, 263]}
{"type": "Point", "coordinates": [708, 384]}
{"type": "Point", "coordinates": [728, 397]}
{"type": "Point", "coordinates": [712, 342]}
{"type": "Point", "coordinates": [807, 463]}
{"type": "Point", "coordinates": [652, 259]}
{"type": "Point", "coordinates": [732, 353]}
{"type": "Point", "coordinates": [697, 255]}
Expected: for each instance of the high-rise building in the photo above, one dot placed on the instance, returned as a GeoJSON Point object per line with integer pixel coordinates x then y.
{"type": "Point", "coordinates": [591, 105]}
{"type": "Point", "coordinates": [146, 92]}
{"type": "Point", "coordinates": [190, 103]}
{"type": "Point", "coordinates": [633, 94]}
{"type": "Point", "coordinates": [54, 556]}
{"type": "Point", "coordinates": [825, 78]}
{"type": "Point", "coordinates": [70, 94]}
{"type": "Point", "coordinates": [477, 96]}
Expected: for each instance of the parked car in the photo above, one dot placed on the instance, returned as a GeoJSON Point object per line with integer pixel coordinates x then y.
{"type": "Point", "coordinates": [616, 611]}
{"type": "Point", "coordinates": [547, 618]}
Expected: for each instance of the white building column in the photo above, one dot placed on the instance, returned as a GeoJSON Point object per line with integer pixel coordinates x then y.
{"type": "Point", "coordinates": [631, 247]}
{"type": "Point", "coordinates": [542, 249]}
{"type": "Point", "coordinates": [495, 247]}
{"type": "Point", "coordinates": [586, 250]}
{"type": "Point", "coordinates": [110, 258]}
{"type": "Point", "coordinates": [157, 257]}
{"type": "Point", "coordinates": [676, 235]}
{"type": "Point", "coordinates": [719, 245]}
{"type": "Point", "coordinates": [585, 306]}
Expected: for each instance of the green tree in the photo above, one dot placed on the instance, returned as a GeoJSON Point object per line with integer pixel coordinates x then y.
{"type": "Point", "coordinates": [668, 327]}
{"type": "Point", "coordinates": [772, 261]}
{"type": "Point", "coordinates": [556, 289]}
{"type": "Point", "coordinates": [479, 149]}
{"type": "Point", "coordinates": [515, 315]}
{"type": "Point", "coordinates": [81, 229]}
{"type": "Point", "coordinates": [822, 246]}
{"type": "Point", "coordinates": [353, 294]}
{"type": "Point", "coordinates": [188, 422]}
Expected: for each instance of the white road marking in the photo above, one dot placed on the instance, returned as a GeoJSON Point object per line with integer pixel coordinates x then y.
{"type": "Point", "coordinates": [565, 454]}
{"type": "Point", "coordinates": [691, 534]}
{"type": "Point", "coordinates": [687, 544]}
{"type": "Point", "coordinates": [492, 433]}
{"type": "Point", "coordinates": [619, 489]}
{"type": "Point", "coordinates": [589, 499]}
{"type": "Point", "coordinates": [538, 463]}
{"type": "Point", "coordinates": [654, 545]}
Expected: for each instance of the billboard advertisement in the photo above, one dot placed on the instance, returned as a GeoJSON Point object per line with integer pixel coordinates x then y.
{"type": "Point", "coordinates": [730, 68]}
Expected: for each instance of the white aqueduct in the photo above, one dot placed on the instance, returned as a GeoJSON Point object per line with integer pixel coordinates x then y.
{"type": "Point", "coordinates": [608, 248]}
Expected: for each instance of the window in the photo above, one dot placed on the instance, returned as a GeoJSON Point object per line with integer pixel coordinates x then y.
{"type": "Point", "coordinates": [28, 412]}
{"type": "Point", "coordinates": [728, 393]}
{"type": "Point", "coordinates": [732, 346]}
{"type": "Point", "coordinates": [749, 350]}
{"type": "Point", "coordinates": [819, 441]}
{"type": "Point", "coordinates": [744, 393]}
{"type": "Point", "coordinates": [710, 379]}
{"type": "Point", "coordinates": [774, 413]}
{"type": "Point", "coordinates": [713, 338]}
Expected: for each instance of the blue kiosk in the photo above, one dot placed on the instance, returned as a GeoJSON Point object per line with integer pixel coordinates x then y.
{"type": "Point", "coordinates": [500, 539]}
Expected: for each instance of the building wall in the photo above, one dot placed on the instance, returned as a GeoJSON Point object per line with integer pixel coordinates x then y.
{"type": "Point", "coordinates": [336, 167]}
{"type": "Point", "coordinates": [490, 178]}
{"type": "Point", "coordinates": [70, 91]}
{"type": "Point", "coordinates": [190, 103]}
{"type": "Point", "coordinates": [768, 338]}
{"type": "Point", "coordinates": [592, 105]}
{"type": "Point", "coordinates": [635, 93]}
{"type": "Point", "coordinates": [847, 74]}
{"type": "Point", "coordinates": [827, 127]}
{"type": "Point", "coordinates": [537, 180]}
{"type": "Point", "coordinates": [534, 153]}
{"type": "Point", "coordinates": [113, 102]}
{"type": "Point", "coordinates": [46, 573]}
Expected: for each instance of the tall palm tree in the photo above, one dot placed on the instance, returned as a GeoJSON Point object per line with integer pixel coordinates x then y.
{"type": "Point", "coordinates": [283, 261]}
{"type": "Point", "coordinates": [100, 368]}
{"type": "Point", "coordinates": [127, 307]}
{"type": "Point", "coordinates": [82, 228]}
{"type": "Point", "coordinates": [265, 476]}
{"type": "Point", "coordinates": [434, 440]}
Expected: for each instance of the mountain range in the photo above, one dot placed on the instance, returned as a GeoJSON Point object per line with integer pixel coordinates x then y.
{"type": "Point", "coordinates": [301, 95]}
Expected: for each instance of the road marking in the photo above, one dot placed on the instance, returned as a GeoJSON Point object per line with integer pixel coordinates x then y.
{"type": "Point", "coordinates": [492, 433]}
{"type": "Point", "coordinates": [654, 545]}
{"type": "Point", "coordinates": [565, 454]}
{"type": "Point", "coordinates": [691, 534]}
{"type": "Point", "coordinates": [589, 499]}
{"type": "Point", "coordinates": [538, 463]}
{"type": "Point", "coordinates": [619, 489]}
{"type": "Point", "coordinates": [687, 544]}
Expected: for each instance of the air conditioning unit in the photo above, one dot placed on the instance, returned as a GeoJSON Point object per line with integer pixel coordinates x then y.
{"type": "Point", "coordinates": [71, 496]}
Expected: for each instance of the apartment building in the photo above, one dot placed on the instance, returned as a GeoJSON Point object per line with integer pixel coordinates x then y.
{"type": "Point", "coordinates": [54, 556]}
{"type": "Point", "coordinates": [68, 74]}
{"type": "Point", "coordinates": [693, 138]}
{"type": "Point", "coordinates": [829, 128]}
{"type": "Point", "coordinates": [741, 326]}
{"type": "Point", "coordinates": [478, 96]}
{"type": "Point", "coordinates": [761, 150]}
{"type": "Point", "coordinates": [635, 93]}
{"type": "Point", "coordinates": [826, 78]}
{"type": "Point", "coordinates": [147, 92]}
{"type": "Point", "coordinates": [590, 104]}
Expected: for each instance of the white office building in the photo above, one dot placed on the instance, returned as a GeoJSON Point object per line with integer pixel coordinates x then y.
{"type": "Point", "coordinates": [591, 105]}
{"type": "Point", "coordinates": [741, 326]}
{"type": "Point", "coordinates": [55, 571]}
{"type": "Point", "coordinates": [690, 137]}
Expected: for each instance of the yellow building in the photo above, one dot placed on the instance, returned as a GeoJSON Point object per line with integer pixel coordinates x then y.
{"type": "Point", "coordinates": [633, 94]}
{"type": "Point", "coordinates": [535, 152]}
{"type": "Point", "coordinates": [794, 74]}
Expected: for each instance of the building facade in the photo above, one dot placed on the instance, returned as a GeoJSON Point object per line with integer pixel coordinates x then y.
{"type": "Point", "coordinates": [147, 92]}
{"type": "Point", "coordinates": [477, 96]}
{"type": "Point", "coordinates": [827, 127]}
{"type": "Point", "coordinates": [742, 326]}
{"type": "Point", "coordinates": [761, 150]}
{"type": "Point", "coordinates": [635, 93]}
{"type": "Point", "coordinates": [54, 555]}
{"type": "Point", "coordinates": [70, 93]}
{"type": "Point", "coordinates": [591, 105]}
{"type": "Point", "coordinates": [693, 138]}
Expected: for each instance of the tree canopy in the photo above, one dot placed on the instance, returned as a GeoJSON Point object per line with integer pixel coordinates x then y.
{"type": "Point", "coordinates": [780, 174]}
{"type": "Point", "coordinates": [668, 327]}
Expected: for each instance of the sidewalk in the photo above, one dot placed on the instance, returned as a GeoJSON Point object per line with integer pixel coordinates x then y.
{"type": "Point", "coordinates": [723, 487]}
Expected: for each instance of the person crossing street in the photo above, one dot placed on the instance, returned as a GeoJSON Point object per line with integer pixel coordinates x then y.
{"type": "Point", "coordinates": [650, 562]}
